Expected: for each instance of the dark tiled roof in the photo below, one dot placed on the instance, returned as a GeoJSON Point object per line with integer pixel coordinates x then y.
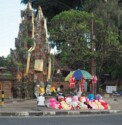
{"type": "Point", "coordinates": [6, 76]}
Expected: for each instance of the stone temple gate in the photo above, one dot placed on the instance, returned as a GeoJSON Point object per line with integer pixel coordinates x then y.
{"type": "Point", "coordinates": [32, 54]}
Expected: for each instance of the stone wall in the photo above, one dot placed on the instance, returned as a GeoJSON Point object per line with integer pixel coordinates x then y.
{"type": "Point", "coordinates": [7, 87]}
{"type": "Point", "coordinates": [57, 84]}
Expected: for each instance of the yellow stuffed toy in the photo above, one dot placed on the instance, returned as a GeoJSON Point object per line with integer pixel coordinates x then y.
{"type": "Point", "coordinates": [65, 106]}
{"type": "Point", "coordinates": [41, 90]}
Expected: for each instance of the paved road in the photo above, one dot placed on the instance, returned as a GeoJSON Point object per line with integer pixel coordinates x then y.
{"type": "Point", "coordinates": [67, 120]}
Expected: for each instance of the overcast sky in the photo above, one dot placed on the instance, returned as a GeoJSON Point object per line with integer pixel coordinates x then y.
{"type": "Point", "coordinates": [9, 24]}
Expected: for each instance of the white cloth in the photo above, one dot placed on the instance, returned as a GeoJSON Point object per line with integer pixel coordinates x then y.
{"type": "Point", "coordinates": [41, 101]}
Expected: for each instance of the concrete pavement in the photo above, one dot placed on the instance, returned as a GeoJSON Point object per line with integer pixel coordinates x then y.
{"type": "Point", "coordinates": [24, 107]}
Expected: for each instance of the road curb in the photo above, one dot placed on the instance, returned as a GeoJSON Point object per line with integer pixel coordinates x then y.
{"type": "Point", "coordinates": [56, 113]}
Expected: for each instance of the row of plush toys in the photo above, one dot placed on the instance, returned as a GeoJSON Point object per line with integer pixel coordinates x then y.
{"type": "Point", "coordinates": [75, 103]}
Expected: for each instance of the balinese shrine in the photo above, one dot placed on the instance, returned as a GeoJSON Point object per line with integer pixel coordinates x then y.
{"type": "Point", "coordinates": [32, 54]}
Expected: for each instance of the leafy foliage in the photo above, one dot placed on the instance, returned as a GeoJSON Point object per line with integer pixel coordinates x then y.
{"type": "Point", "coordinates": [3, 61]}
{"type": "Point", "coordinates": [70, 32]}
{"type": "Point", "coordinates": [53, 7]}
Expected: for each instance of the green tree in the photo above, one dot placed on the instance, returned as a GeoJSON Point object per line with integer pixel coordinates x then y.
{"type": "Point", "coordinates": [3, 61]}
{"type": "Point", "coordinates": [111, 12]}
{"type": "Point", "coordinates": [69, 35]}
{"type": "Point", "coordinates": [70, 32]}
{"type": "Point", "coordinates": [109, 54]}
